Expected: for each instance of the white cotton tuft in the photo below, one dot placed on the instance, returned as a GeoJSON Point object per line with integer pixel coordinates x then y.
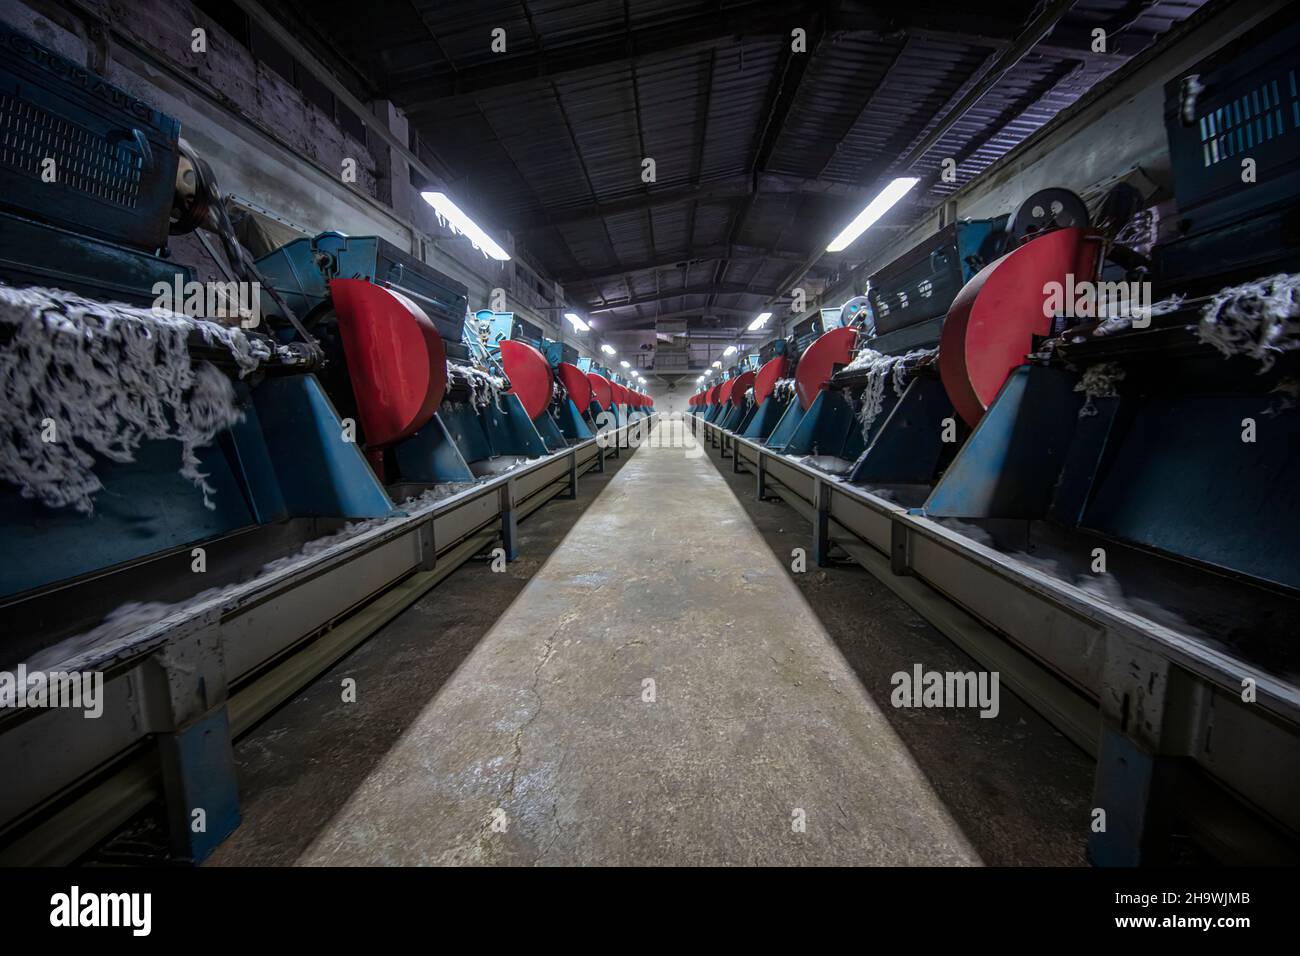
{"type": "Point", "coordinates": [484, 389]}
{"type": "Point", "coordinates": [1099, 381]}
{"type": "Point", "coordinates": [1259, 319]}
{"type": "Point", "coordinates": [881, 370]}
{"type": "Point", "coordinates": [103, 378]}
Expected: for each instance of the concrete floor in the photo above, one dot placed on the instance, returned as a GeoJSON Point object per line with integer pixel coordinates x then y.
{"type": "Point", "coordinates": [504, 719]}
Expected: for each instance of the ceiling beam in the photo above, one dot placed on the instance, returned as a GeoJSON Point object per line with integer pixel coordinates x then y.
{"type": "Point", "coordinates": [584, 51]}
{"type": "Point", "coordinates": [718, 190]}
{"type": "Point", "coordinates": [1037, 29]}
{"type": "Point", "coordinates": [423, 82]}
{"type": "Point", "coordinates": [690, 257]}
{"type": "Point", "coordinates": [1034, 32]}
{"type": "Point", "coordinates": [712, 288]}
{"type": "Point", "coordinates": [615, 323]}
{"type": "Point", "coordinates": [789, 78]}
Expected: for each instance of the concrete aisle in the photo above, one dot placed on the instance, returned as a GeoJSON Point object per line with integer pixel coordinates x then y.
{"type": "Point", "coordinates": [545, 730]}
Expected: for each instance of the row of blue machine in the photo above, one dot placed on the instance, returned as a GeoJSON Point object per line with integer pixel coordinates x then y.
{"type": "Point", "coordinates": [1105, 412]}
{"type": "Point", "coordinates": [1169, 422]}
{"type": "Point", "coordinates": [363, 381]}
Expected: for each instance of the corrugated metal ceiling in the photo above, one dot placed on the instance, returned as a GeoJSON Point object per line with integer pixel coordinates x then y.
{"type": "Point", "coordinates": [757, 152]}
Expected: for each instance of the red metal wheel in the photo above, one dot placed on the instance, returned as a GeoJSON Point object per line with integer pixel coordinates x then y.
{"type": "Point", "coordinates": [817, 364]}
{"type": "Point", "coordinates": [529, 374]}
{"type": "Point", "coordinates": [396, 359]}
{"type": "Point", "coordinates": [772, 372]}
{"type": "Point", "coordinates": [991, 324]}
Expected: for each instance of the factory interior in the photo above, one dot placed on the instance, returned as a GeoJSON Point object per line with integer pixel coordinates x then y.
{"type": "Point", "coordinates": [649, 433]}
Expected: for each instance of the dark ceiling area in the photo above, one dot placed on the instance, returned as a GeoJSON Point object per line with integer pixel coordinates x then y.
{"type": "Point", "coordinates": [761, 153]}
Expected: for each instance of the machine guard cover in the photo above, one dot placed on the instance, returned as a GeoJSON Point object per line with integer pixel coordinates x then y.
{"type": "Point", "coordinates": [991, 324]}
{"type": "Point", "coordinates": [601, 389]}
{"type": "Point", "coordinates": [577, 384]}
{"type": "Point", "coordinates": [772, 372]}
{"type": "Point", "coordinates": [396, 359]}
{"type": "Point", "coordinates": [817, 364]}
{"type": "Point", "coordinates": [529, 374]}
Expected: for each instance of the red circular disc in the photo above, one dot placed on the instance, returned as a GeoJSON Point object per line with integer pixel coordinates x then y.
{"type": "Point", "coordinates": [620, 393]}
{"type": "Point", "coordinates": [740, 385]}
{"type": "Point", "coordinates": [600, 389]}
{"type": "Point", "coordinates": [576, 383]}
{"type": "Point", "coordinates": [772, 372]}
{"type": "Point", "coordinates": [711, 396]}
{"type": "Point", "coordinates": [529, 374]}
{"type": "Point", "coordinates": [724, 391]}
{"type": "Point", "coordinates": [817, 364]}
{"type": "Point", "coordinates": [395, 357]}
{"type": "Point", "coordinates": [991, 324]}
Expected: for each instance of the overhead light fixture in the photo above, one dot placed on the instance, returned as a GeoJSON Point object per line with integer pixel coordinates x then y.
{"type": "Point", "coordinates": [452, 215]}
{"type": "Point", "coordinates": [576, 321]}
{"type": "Point", "coordinates": [607, 348]}
{"type": "Point", "coordinates": [759, 322]}
{"type": "Point", "coordinates": [717, 365]}
{"type": "Point", "coordinates": [875, 209]}
{"type": "Point", "coordinates": [729, 350]}
{"type": "Point", "coordinates": [625, 364]}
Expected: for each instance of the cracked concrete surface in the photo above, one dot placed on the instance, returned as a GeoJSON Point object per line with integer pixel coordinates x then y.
{"type": "Point", "coordinates": [549, 745]}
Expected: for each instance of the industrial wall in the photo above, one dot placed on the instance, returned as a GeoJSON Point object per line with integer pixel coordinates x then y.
{"type": "Point", "coordinates": [669, 400]}
{"type": "Point", "coordinates": [275, 149]}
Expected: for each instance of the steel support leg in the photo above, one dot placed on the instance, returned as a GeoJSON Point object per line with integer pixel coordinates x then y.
{"type": "Point", "coordinates": [509, 530]}
{"type": "Point", "coordinates": [428, 546]}
{"type": "Point", "coordinates": [1128, 827]}
{"type": "Point", "coordinates": [185, 690]}
{"type": "Point", "coordinates": [761, 483]}
{"type": "Point", "coordinates": [900, 541]}
{"type": "Point", "coordinates": [572, 493]}
{"type": "Point", "coordinates": [821, 523]}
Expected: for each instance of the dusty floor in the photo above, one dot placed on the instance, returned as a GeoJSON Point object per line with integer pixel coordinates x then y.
{"type": "Point", "coordinates": [490, 729]}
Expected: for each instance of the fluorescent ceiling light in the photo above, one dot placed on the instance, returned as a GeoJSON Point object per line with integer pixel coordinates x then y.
{"type": "Point", "coordinates": [729, 350]}
{"type": "Point", "coordinates": [717, 365]}
{"type": "Point", "coordinates": [875, 209]}
{"type": "Point", "coordinates": [625, 364]}
{"type": "Point", "coordinates": [450, 214]}
{"type": "Point", "coordinates": [607, 348]}
{"type": "Point", "coordinates": [759, 322]}
{"type": "Point", "coordinates": [576, 321]}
